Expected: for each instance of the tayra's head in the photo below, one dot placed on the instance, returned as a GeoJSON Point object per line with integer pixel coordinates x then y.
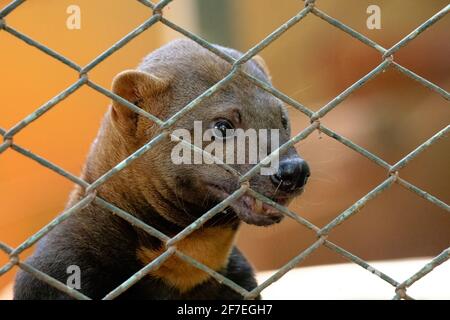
{"type": "Point", "coordinates": [242, 120]}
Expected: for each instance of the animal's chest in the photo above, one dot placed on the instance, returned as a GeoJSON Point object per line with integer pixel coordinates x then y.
{"type": "Point", "coordinates": [209, 246]}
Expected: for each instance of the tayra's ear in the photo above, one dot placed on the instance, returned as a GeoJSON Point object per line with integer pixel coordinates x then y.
{"type": "Point", "coordinates": [262, 64]}
{"type": "Point", "coordinates": [138, 88]}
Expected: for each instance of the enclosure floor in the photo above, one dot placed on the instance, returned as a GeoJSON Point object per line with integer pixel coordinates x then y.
{"type": "Point", "coordinates": [347, 281]}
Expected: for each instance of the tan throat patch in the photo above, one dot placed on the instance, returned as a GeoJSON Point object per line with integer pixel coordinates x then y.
{"type": "Point", "coordinates": [210, 246]}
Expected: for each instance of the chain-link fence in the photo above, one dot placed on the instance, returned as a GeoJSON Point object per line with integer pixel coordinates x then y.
{"type": "Point", "coordinates": [310, 8]}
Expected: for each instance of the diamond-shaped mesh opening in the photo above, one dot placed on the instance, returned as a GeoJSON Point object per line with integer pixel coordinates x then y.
{"type": "Point", "coordinates": [156, 16]}
{"type": "Point", "coordinates": [374, 233]}
{"type": "Point", "coordinates": [25, 73]}
{"type": "Point", "coordinates": [43, 137]}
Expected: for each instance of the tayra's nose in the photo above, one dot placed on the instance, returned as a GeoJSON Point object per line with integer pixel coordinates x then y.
{"type": "Point", "coordinates": [292, 174]}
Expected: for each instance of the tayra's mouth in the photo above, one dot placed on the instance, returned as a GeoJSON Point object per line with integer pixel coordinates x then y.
{"type": "Point", "coordinates": [254, 211]}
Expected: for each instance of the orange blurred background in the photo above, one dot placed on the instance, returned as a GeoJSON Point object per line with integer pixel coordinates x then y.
{"type": "Point", "coordinates": [312, 63]}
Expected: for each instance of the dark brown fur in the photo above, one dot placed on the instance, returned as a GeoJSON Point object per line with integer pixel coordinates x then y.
{"type": "Point", "coordinates": [109, 250]}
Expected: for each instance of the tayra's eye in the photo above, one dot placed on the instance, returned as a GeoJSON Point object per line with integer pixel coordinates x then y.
{"type": "Point", "coordinates": [223, 129]}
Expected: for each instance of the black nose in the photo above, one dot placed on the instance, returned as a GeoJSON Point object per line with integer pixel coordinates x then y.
{"type": "Point", "coordinates": [292, 174]}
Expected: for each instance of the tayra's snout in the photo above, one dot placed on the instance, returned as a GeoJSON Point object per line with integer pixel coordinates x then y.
{"type": "Point", "coordinates": [292, 174]}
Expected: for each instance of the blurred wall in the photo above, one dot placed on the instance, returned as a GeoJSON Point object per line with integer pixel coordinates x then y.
{"type": "Point", "coordinates": [390, 116]}
{"type": "Point", "coordinates": [313, 62]}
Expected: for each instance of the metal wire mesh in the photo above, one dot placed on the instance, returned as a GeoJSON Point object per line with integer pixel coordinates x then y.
{"type": "Point", "coordinates": [310, 8]}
